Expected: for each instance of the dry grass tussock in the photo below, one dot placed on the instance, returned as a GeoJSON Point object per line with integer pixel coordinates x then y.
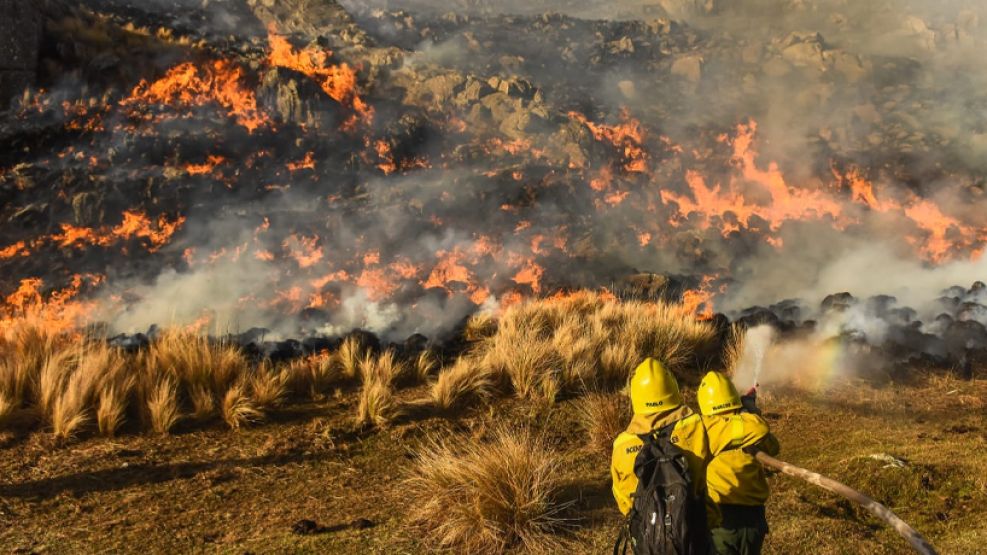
{"type": "Point", "coordinates": [71, 384]}
{"type": "Point", "coordinates": [733, 351]}
{"type": "Point", "coordinates": [490, 497]}
{"type": "Point", "coordinates": [380, 374]}
{"type": "Point", "coordinates": [268, 386]}
{"type": "Point", "coordinates": [313, 375]}
{"type": "Point", "coordinates": [349, 357]}
{"type": "Point", "coordinates": [161, 403]}
{"type": "Point", "coordinates": [196, 364]}
{"type": "Point", "coordinates": [581, 342]}
{"type": "Point", "coordinates": [76, 384]}
{"type": "Point", "coordinates": [239, 409]}
{"type": "Point", "coordinates": [378, 406]}
{"type": "Point", "coordinates": [461, 383]}
{"type": "Point", "coordinates": [603, 416]}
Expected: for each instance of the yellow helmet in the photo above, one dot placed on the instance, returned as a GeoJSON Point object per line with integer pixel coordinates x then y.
{"type": "Point", "coordinates": [653, 388]}
{"type": "Point", "coordinates": [717, 394]}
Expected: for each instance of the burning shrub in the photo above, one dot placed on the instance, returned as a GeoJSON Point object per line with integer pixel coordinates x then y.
{"type": "Point", "coordinates": [490, 497]}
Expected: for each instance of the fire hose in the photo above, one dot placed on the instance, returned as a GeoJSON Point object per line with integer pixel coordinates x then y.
{"type": "Point", "coordinates": [918, 543]}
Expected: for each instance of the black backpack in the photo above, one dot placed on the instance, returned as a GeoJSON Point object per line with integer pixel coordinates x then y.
{"type": "Point", "coordinates": [666, 519]}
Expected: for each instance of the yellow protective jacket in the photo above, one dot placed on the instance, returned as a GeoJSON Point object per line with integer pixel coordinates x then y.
{"type": "Point", "coordinates": [688, 434]}
{"type": "Point", "coordinates": [734, 477]}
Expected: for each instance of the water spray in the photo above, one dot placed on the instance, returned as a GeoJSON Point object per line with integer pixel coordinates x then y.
{"type": "Point", "coordinates": [757, 342]}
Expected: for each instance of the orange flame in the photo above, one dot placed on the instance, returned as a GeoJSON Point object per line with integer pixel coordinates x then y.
{"type": "Point", "coordinates": [186, 85]}
{"type": "Point", "coordinates": [530, 274]}
{"type": "Point", "coordinates": [135, 225]}
{"type": "Point", "coordinates": [387, 163]}
{"type": "Point", "coordinates": [449, 269]}
{"type": "Point", "coordinates": [730, 209]}
{"type": "Point", "coordinates": [338, 81]}
{"type": "Point", "coordinates": [308, 162]}
{"type": "Point", "coordinates": [56, 312]}
{"type": "Point", "coordinates": [929, 217]}
{"type": "Point", "coordinates": [627, 137]}
{"type": "Point", "coordinates": [700, 301]}
{"type": "Point", "coordinates": [304, 250]}
{"type": "Point", "coordinates": [205, 168]}
{"type": "Point", "coordinates": [17, 249]}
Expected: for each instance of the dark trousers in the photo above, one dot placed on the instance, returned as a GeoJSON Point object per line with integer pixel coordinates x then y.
{"type": "Point", "coordinates": [742, 531]}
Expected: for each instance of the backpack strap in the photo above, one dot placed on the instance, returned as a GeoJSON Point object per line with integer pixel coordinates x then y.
{"type": "Point", "coordinates": [653, 435]}
{"type": "Point", "coordinates": [623, 540]}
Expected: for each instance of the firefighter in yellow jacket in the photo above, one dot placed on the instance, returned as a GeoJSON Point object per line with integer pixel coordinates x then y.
{"type": "Point", "coordinates": [735, 480]}
{"type": "Point", "coordinates": [657, 403]}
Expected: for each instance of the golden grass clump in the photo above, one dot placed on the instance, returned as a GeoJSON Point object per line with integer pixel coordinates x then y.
{"type": "Point", "coordinates": [461, 383]}
{"type": "Point", "coordinates": [426, 363]}
{"type": "Point", "coordinates": [313, 375]}
{"type": "Point", "coordinates": [69, 411]}
{"type": "Point", "coordinates": [204, 404]}
{"type": "Point", "coordinates": [268, 386]}
{"type": "Point", "coordinates": [490, 497]}
{"type": "Point", "coordinates": [349, 357]}
{"type": "Point", "coordinates": [384, 368]}
{"type": "Point", "coordinates": [53, 372]}
{"type": "Point", "coordinates": [603, 416]}
{"type": "Point", "coordinates": [733, 351]}
{"type": "Point", "coordinates": [378, 405]}
{"type": "Point", "coordinates": [480, 326]}
{"type": "Point", "coordinates": [7, 408]}
{"type": "Point", "coordinates": [24, 349]}
{"type": "Point", "coordinates": [111, 406]}
{"type": "Point", "coordinates": [161, 403]}
{"type": "Point", "coordinates": [585, 341]}
{"type": "Point", "coordinates": [239, 409]}
{"type": "Point", "coordinates": [522, 354]}
{"type": "Point", "coordinates": [86, 383]}
{"type": "Point", "coordinates": [68, 381]}
{"type": "Point", "coordinates": [198, 366]}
